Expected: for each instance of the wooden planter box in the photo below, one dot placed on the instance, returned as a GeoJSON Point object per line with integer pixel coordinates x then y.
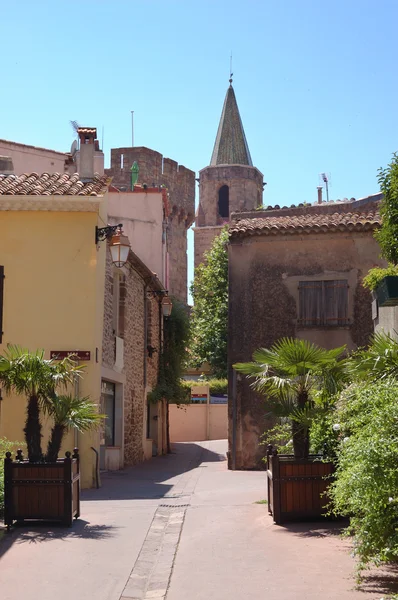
{"type": "Point", "coordinates": [296, 487]}
{"type": "Point", "coordinates": [387, 291]}
{"type": "Point", "coordinates": [41, 491]}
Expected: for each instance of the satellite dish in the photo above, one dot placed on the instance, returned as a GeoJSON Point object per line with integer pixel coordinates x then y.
{"type": "Point", "coordinates": [73, 148]}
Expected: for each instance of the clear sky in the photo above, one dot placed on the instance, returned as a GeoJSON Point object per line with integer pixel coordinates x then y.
{"type": "Point", "coordinates": [316, 82]}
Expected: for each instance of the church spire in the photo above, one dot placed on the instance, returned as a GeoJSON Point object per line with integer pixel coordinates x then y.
{"type": "Point", "coordinates": [230, 147]}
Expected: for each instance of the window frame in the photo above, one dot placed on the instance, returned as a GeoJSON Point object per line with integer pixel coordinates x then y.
{"type": "Point", "coordinates": [321, 304]}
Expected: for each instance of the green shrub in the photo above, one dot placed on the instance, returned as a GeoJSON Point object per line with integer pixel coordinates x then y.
{"type": "Point", "coordinates": [376, 276]}
{"type": "Point", "coordinates": [5, 446]}
{"type": "Point", "coordinates": [217, 386]}
{"type": "Point", "coordinates": [366, 485]}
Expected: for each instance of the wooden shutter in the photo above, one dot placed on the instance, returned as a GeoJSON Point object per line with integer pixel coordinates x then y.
{"type": "Point", "coordinates": [1, 302]}
{"type": "Point", "coordinates": [336, 302]}
{"type": "Point", "coordinates": [310, 303]}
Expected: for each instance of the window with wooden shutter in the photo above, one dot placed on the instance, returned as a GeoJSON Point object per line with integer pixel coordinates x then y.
{"type": "Point", "coordinates": [1, 302]}
{"type": "Point", "coordinates": [323, 303]}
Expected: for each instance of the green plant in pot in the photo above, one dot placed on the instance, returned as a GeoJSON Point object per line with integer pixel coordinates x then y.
{"type": "Point", "coordinates": [29, 374]}
{"type": "Point", "coordinates": [297, 378]}
{"type": "Point", "coordinates": [384, 282]}
{"type": "Point", "coordinates": [69, 412]}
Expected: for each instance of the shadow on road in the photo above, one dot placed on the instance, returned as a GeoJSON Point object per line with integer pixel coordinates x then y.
{"type": "Point", "coordinates": [35, 532]}
{"type": "Point", "coordinates": [152, 479]}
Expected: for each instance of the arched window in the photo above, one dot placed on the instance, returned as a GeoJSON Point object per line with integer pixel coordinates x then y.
{"type": "Point", "coordinates": [223, 202]}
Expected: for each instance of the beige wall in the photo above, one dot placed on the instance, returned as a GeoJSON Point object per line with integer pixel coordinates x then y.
{"type": "Point", "coordinates": [198, 422]}
{"type": "Point", "coordinates": [28, 159]}
{"type": "Point", "coordinates": [53, 296]}
{"type": "Point", "coordinates": [142, 218]}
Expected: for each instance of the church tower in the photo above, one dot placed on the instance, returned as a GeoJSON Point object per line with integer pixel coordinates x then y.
{"type": "Point", "coordinates": [230, 183]}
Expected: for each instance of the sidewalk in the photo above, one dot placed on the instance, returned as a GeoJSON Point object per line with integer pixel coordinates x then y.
{"type": "Point", "coordinates": [186, 526]}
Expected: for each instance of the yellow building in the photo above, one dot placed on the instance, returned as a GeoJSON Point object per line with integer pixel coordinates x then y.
{"type": "Point", "coordinates": [53, 286]}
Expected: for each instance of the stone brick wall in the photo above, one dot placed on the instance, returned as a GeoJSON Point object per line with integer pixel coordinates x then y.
{"type": "Point", "coordinates": [203, 240]}
{"type": "Point", "coordinates": [154, 170]}
{"type": "Point", "coordinates": [140, 370]}
{"type": "Point", "coordinates": [245, 193]}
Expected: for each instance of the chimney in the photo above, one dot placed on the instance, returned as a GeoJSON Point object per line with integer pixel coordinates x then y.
{"type": "Point", "coordinates": [6, 165]}
{"type": "Point", "coordinates": [319, 194]}
{"type": "Point", "coordinates": [87, 137]}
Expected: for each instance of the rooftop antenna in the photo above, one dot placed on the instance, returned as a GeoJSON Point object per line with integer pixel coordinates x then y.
{"type": "Point", "coordinates": [132, 128]}
{"type": "Point", "coordinates": [230, 69]}
{"type": "Point", "coordinates": [325, 177]}
{"type": "Point", "coordinates": [75, 126]}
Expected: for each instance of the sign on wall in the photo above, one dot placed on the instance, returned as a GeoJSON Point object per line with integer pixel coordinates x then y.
{"type": "Point", "coordinates": [77, 354]}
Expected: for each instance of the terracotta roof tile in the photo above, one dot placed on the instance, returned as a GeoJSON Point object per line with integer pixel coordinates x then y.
{"type": "Point", "coordinates": [364, 220]}
{"type": "Point", "coordinates": [54, 184]}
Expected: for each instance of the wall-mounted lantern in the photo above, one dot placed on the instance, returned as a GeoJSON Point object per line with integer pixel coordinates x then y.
{"type": "Point", "coordinates": [119, 244]}
{"type": "Point", "coordinates": [167, 307]}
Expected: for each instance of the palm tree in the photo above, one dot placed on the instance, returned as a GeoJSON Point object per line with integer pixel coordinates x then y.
{"type": "Point", "coordinates": [67, 412]}
{"type": "Point", "coordinates": [29, 374]}
{"type": "Point", "coordinates": [291, 374]}
{"type": "Point", "coordinates": [378, 361]}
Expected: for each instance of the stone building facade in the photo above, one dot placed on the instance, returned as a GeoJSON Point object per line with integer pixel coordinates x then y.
{"type": "Point", "coordinates": [294, 273]}
{"type": "Point", "coordinates": [132, 340]}
{"type": "Point", "coordinates": [230, 183]}
{"type": "Point", "coordinates": [155, 171]}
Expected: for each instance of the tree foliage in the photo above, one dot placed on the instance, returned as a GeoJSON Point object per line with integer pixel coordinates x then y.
{"type": "Point", "coordinates": [387, 235]}
{"type": "Point", "coordinates": [210, 312]}
{"type": "Point", "coordinates": [173, 357]}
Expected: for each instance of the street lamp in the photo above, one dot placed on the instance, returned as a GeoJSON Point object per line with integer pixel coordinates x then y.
{"type": "Point", "coordinates": [167, 307]}
{"type": "Point", "coordinates": [119, 244]}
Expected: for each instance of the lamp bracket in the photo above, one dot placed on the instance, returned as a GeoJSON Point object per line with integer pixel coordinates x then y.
{"type": "Point", "coordinates": [161, 293]}
{"type": "Point", "coordinates": [106, 233]}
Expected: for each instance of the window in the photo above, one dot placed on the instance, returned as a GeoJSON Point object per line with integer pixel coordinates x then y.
{"type": "Point", "coordinates": [323, 303]}
{"type": "Point", "coordinates": [1, 302]}
{"type": "Point", "coordinates": [223, 202]}
{"type": "Point", "coordinates": [108, 409]}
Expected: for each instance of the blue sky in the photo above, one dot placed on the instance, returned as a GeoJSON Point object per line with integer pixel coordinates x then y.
{"type": "Point", "coordinates": [315, 82]}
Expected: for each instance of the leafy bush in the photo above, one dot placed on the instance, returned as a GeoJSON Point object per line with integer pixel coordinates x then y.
{"type": "Point", "coordinates": [280, 436]}
{"type": "Point", "coordinates": [366, 485]}
{"type": "Point", "coordinates": [217, 386]}
{"type": "Point", "coordinates": [375, 276]}
{"type": "Point", "coordinates": [5, 446]}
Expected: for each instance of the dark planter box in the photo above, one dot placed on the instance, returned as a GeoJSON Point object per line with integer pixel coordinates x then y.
{"type": "Point", "coordinates": [387, 291]}
{"type": "Point", "coordinates": [41, 491]}
{"type": "Point", "coordinates": [296, 487]}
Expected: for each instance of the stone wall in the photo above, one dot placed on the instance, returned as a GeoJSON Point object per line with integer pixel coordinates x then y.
{"type": "Point", "coordinates": [245, 186]}
{"type": "Point", "coordinates": [264, 273]}
{"type": "Point", "coordinates": [203, 240]}
{"type": "Point", "coordinates": [139, 369]}
{"type": "Point", "coordinates": [154, 170]}
{"type": "Point", "coordinates": [245, 191]}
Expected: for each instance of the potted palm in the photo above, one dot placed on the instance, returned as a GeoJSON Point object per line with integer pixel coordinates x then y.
{"type": "Point", "coordinates": [43, 486]}
{"type": "Point", "coordinates": [297, 378]}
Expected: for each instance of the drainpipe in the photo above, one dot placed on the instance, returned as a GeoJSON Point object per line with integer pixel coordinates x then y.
{"type": "Point", "coordinates": [234, 414]}
{"type": "Point", "coordinates": [145, 332]}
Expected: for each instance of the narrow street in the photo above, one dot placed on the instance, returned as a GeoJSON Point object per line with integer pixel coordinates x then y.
{"type": "Point", "coordinates": [180, 526]}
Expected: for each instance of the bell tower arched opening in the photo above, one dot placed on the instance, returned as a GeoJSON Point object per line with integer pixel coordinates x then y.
{"type": "Point", "coordinates": [223, 202]}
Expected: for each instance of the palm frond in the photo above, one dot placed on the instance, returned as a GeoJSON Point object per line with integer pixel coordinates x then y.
{"type": "Point", "coordinates": [69, 411]}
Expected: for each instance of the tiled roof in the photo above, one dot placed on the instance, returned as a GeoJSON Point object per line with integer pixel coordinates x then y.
{"type": "Point", "coordinates": [54, 184]}
{"type": "Point", "coordinates": [230, 147]}
{"type": "Point", "coordinates": [307, 223]}
{"type": "Point", "coordinates": [87, 130]}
